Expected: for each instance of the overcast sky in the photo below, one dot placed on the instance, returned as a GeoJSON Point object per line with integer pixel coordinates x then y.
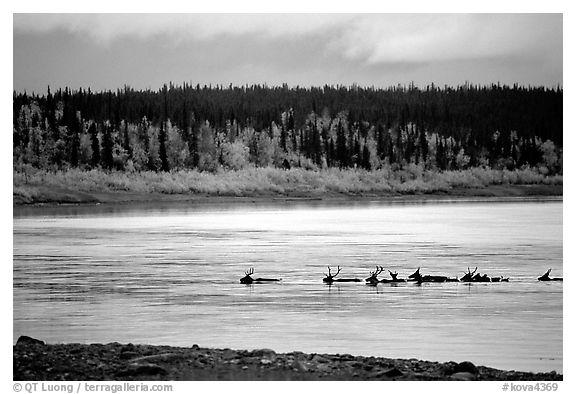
{"type": "Point", "coordinates": [107, 51]}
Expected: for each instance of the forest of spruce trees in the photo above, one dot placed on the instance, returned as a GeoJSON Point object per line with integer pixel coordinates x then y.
{"type": "Point", "coordinates": [214, 127]}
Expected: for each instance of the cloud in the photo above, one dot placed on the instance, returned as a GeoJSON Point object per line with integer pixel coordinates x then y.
{"type": "Point", "coordinates": [104, 28]}
{"type": "Point", "coordinates": [370, 38]}
{"type": "Point", "coordinates": [441, 37]}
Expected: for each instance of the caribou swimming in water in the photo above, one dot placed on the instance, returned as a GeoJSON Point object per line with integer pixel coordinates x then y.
{"type": "Point", "coordinates": [417, 277]}
{"type": "Point", "coordinates": [469, 276]}
{"type": "Point", "coordinates": [373, 278]}
{"type": "Point", "coordinates": [248, 280]}
{"type": "Point", "coordinates": [394, 279]}
{"type": "Point", "coordinates": [329, 279]}
{"type": "Point", "coordinates": [472, 276]}
{"type": "Point", "coordinates": [546, 277]}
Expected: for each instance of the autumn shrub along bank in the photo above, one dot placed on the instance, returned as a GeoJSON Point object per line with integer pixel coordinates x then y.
{"type": "Point", "coordinates": [267, 181]}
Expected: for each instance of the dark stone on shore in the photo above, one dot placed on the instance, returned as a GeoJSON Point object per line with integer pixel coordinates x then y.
{"type": "Point", "coordinates": [345, 357]}
{"type": "Point", "coordinates": [127, 348]}
{"type": "Point", "coordinates": [229, 354]}
{"type": "Point", "coordinates": [449, 368]}
{"type": "Point", "coordinates": [319, 359]}
{"type": "Point", "coordinates": [26, 340]}
{"type": "Point", "coordinates": [266, 353]}
{"type": "Point", "coordinates": [466, 366]}
{"type": "Point", "coordinates": [466, 376]}
{"type": "Point", "coordinates": [140, 369]}
{"type": "Point", "coordinates": [393, 373]}
{"type": "Point", "coordinates": [128, 355]}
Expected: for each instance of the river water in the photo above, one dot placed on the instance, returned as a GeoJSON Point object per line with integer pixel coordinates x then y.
{"type": "Point", "coordinates": [170, 275]}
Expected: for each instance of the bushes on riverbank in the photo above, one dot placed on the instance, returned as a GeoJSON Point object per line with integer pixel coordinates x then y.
{"type": "Point", "coordinates": [273, 181]}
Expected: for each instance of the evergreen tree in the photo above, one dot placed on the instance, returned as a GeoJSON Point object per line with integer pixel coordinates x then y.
{"type": "Point", "coordinates": [440, 155]}
{"type": "Point", "coordinates": [366, 158]}
{"type": "Point", "coordinates": [380, 142]}
{"type": "Point", "coordinates": [162, 150]}
{"type": "Point", "coordinates": [51, 114]}
{"type": "Point", "coordinates": [74, 148]}
{"type": "Point", "coordinates": [95, 144]}
{"type": "Point", "coordinates": [409, 147]}
{"type": "Point", "coordinates": [315, 143]}
{"type": "Point", "coordinates": [399, 151]}
{"type": "Point", "coordinates": [126, 142]}
{"type": "Point", "coordinates": [73, 142]}
{"type": "Point", "coordinates": [391, 154]}
{"type": "Point", "coordinates": [357, 156]}
{"type": "Point", "coordinates": [341, 150]}
{"type": "Point", "coordinates": [283, 138]}
{"type": "Point", "coordinates": [423, 145]}
{"type": "Point", "coordinates": [194, 147]}
{"type": "Point", "coordinates": [331, 153]}
{"type": "Point", "coordinates": [107, 148]}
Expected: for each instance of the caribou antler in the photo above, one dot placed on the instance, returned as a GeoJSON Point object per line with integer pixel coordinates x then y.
{"type": "Point", "coordinates": [337, 272]}
{"type": "Point", "coordinates": [471, 273]}
{"type": "Point", "coordinates": [330, 273]}
{"type": "Point", "coordinates": [248, 279]}
{"type": "Point", "coordinates": [415, 275]}
{"type": "Point", "coordinates": [468, 276]}
{"type": "Point", "coordinates": [377, 272]}
{"type": "Point", "coordinates": [329, 277]}
{"type": "Point", "coordinates": [373, 278]}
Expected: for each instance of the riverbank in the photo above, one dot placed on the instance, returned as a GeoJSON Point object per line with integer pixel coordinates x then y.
{"type": "Point", "coordinates": [34, 360]}
{"type": "Point", "coordinates": [105, 202]}
{"type": "Point", "coordinates": [275, 185]}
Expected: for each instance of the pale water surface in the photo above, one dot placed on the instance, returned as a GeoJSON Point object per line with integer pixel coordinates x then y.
{"type": "Point", "coordinates": [169, 275]}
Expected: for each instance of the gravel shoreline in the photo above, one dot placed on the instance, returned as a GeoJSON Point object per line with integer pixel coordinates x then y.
{"type": "Point", "coordinates": [36, 361]}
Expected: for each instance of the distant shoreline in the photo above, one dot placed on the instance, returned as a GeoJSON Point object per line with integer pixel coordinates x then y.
{"type": "Point", "coordinates": [34, 360]}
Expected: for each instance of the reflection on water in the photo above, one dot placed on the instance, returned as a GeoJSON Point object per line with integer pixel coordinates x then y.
{"type": "Point", "coordinates": [170, 276]}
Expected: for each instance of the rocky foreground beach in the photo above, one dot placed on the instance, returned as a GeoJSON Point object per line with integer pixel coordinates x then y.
{"type": "Point", "coordinates": [35, 360]}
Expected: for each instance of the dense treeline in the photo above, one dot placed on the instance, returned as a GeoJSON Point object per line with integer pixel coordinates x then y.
{"type": "Point", "coordinates": [179, 127]}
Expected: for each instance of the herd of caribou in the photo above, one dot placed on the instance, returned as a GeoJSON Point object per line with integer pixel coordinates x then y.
{"type": "Point", "coordinates": [470, 276]}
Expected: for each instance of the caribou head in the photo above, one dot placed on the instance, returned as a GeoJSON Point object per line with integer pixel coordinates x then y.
{"type": "Point", "coordinates": [416, 275]}
{"type": "Point", "coordinates": [248, 278]}
{"type": "Point", "coordinates": [469, 276]}
{"type": "Point", "coordinates": [546, 277]}
{"type": "Point", "coordinates": [329, 277]}
{"type": "Point", "coordinates": [394, 276]}
{"type": "Point", "coordinates": [373, 278]}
